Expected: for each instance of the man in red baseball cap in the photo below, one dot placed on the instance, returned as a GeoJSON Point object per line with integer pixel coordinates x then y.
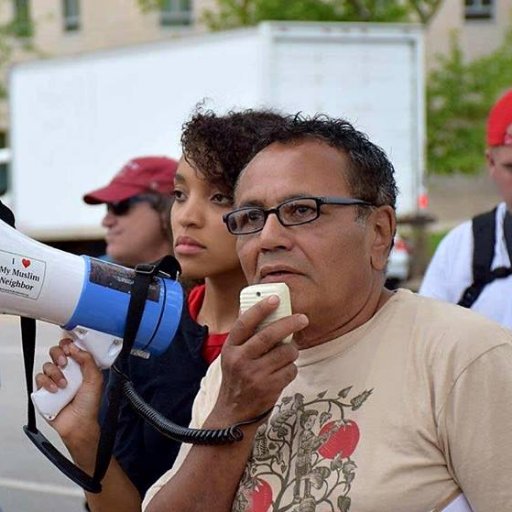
{"type": "Point", "coordinates": [138, 201]}
{"type": "Point", "coordinates": [472, 265]}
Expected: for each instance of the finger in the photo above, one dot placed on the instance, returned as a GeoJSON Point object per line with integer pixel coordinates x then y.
{"type": "Point", "coordinates": [43, 381]}
{"type": "Point", "coordinates": [54, 373]}
{"type": "Point", "coordinates": [58, 356]}
{"type": "Point", "coordinates": [273, 335]}
{"type": "Point", "coordinates": [64, 344]}
{"type": "Point", "coordinates": [281, 378]}
{"type": "Point", "coordinates": [280, 356]}
{"type": "Point", "coordinates": [90, 370]}
{"type": "Point", "coordinates": [248, 321]}
{"type": "Point", "coordinates": [263, 389]}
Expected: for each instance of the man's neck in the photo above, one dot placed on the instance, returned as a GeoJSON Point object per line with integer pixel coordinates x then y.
{"type": "Point", "coordinates": [320, 332]}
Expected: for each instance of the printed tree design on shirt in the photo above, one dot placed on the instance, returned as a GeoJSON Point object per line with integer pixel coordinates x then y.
{"type": "Point", "coordinates": [303, 456]}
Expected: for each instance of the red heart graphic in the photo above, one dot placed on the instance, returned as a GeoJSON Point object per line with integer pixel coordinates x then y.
{"type": "Point", "coordinates": [25, 262]}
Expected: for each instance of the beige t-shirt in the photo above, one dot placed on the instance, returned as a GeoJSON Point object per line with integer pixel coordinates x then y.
{"type": "Point", "coordinates": [401, 414]}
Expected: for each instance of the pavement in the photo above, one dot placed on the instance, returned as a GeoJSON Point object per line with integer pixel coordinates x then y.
{"type": "Point", "coordinates": [28, 481]}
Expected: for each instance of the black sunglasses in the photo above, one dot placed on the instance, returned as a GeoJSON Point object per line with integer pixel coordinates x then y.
{"type": "Point", "coordinates": [123, 207]}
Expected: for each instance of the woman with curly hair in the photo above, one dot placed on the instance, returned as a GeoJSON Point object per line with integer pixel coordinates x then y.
{"type": "Point", "coordinates": [215, 150]}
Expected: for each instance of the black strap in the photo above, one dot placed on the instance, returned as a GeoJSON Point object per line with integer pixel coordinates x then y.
{"type": "Point", "coordinates": [28, 337]}
{"type": "Point", "coordinates": [6, 215]}
{"type": "Point", "coordinates": [143, 276]}
{"type": "Point", "coordinates": [484, 241]}
{"type": "Point", "coordinates": [507, 231]}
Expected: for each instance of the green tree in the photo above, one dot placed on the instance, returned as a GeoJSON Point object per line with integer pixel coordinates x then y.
{"type": "Point", "coordinates": [15, 33]}
{"type": "Point", "coordinates": [228, 14]}
{"type": "Point", "coordinates": [459, 96]}
{"type": "Point", "coordinates": [236, 13]}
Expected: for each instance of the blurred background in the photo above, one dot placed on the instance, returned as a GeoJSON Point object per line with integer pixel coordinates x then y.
{"type": "Point", "coordinates": [87, 85]}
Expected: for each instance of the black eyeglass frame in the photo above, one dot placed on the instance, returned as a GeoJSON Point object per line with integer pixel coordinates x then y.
{"type": "Point", "coordinates": [319, 201]}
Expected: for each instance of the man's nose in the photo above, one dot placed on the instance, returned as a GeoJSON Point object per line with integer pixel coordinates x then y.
{"type": "Point", "coordinates": [109, 219]}
{"type": "Point", "coordinates": [274, 234]}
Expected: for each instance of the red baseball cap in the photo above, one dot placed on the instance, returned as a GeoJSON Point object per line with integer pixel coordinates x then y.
{"type": "Point", "coordinates": [499, 122]}
{"type": "Point", "coordinates": [138, 176]}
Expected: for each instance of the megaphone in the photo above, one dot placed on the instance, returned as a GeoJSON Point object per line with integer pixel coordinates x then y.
{"type": "Point", "coordinates": [44, 283]}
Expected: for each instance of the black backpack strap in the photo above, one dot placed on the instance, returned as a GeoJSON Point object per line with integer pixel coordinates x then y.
{"type": "Point", "coordinates": [484, 240]}
{"type": "Point", "coordinates": [507, 231]}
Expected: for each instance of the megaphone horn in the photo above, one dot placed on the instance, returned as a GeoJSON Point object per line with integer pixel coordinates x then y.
{"type": "Point", "coordinates": [44, 283]}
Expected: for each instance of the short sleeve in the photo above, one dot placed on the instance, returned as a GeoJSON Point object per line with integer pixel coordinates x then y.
{"type": "Point", "coordinates": [475, 430]}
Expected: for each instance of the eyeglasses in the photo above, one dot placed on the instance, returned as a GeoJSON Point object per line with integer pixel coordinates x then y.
{"type": "Point", "coordinates": [123, 207]}
{"type": "Point", "coordinates": [293, 212]}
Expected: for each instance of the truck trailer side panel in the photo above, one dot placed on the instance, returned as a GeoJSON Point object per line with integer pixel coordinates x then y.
{"type": "Point", "coordinates": [76, 120]}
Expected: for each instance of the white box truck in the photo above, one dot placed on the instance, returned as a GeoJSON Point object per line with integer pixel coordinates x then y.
{"type": "Point", "coordinates": [76, 120]}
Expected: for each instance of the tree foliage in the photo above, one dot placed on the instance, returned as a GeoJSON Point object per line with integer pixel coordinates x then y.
{"type": "Point", "coordinates": [459, 96]}
{"type": "Point", "coordinates": [14, 34]}
{"type": "Point", "coordinates": [228, 14]}
{"type": "Point", "coordinates": [236, 13]}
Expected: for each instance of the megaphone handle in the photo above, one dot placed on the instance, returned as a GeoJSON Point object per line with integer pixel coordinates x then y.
{"type": "Point", "coordinates": [50, 404]}
{"type": "Point", "coordinates": [103, 347]}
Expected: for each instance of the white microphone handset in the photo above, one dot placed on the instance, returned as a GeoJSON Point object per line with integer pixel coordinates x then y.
{"type": "Point", "coordinates": [103, 347]}
{"type": "Point", "coordinates": [250, 295]}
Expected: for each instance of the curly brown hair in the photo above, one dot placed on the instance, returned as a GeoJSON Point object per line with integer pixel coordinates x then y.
{"type": "Point", "coordinates": [220, 146]}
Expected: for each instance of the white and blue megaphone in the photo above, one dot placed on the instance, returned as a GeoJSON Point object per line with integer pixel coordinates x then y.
{"type": "Point", "coordinates": [83, 295]}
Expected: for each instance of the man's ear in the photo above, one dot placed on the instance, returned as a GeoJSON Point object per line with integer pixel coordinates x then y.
{"type": "Point", "coordinates": [489, 157]}
{"type": "Point", "coordinates": [383, 224]}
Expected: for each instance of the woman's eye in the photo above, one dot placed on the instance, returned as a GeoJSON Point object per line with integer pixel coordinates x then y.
{"type": "Point", "coordinates": [178, 195]}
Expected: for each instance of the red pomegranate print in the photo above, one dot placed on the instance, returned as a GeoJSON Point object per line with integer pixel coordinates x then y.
{"type": "Point", "coordinates": [342, 439]}
{"type": "Point", "coordinates": [260, 497]}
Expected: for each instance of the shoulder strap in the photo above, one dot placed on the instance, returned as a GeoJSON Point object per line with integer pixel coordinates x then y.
{"type": "Point", "coordinates": [484, 239]}
{"type": "Point", "coordinates": [507, 231]}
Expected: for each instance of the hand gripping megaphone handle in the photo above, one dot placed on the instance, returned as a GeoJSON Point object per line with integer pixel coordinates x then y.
{"type": "Point", "coordinates": [49, 404]}
{"type": "Point", "coordinates": [103, 347]}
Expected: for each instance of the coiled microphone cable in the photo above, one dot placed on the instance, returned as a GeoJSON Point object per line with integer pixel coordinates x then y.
{"type": "Point", "coordinates": [184, 434]}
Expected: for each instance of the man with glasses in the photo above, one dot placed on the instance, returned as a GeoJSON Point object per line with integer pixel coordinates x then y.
{"type": "Point", "coordinates": [138, 201]}
{"type": "Point", "coordinates": [384, 400]}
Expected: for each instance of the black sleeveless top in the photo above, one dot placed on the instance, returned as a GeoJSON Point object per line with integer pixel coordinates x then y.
{"type": "Point", "coordinates": [169, 383]}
